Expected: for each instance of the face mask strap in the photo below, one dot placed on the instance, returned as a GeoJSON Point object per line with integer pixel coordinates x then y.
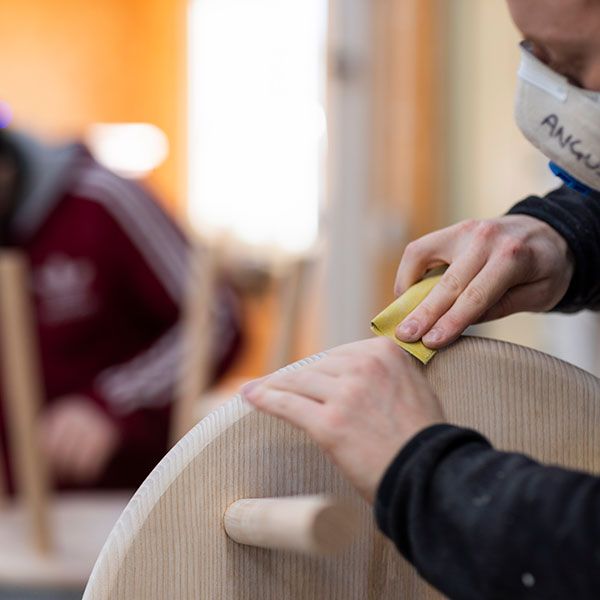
{"type": "Point", "coordinates": [570, 181]}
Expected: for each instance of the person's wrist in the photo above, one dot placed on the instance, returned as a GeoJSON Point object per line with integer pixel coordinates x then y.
{"type": "Point", "coordinates": [558, 242]}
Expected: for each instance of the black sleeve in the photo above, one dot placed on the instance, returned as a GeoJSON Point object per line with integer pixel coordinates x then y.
{"type": "Point", "coordinates": [577, 219]}
{"type": "Point", "coordinates": [482, 524]}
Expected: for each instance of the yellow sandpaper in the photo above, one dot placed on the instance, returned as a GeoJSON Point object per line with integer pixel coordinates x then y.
{"type": "Point", "coordinates": [387, 320]}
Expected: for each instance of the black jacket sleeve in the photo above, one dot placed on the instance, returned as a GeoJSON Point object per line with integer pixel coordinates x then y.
{"type": "Point", "coordinates": [482, 524]}
{"type": "Point", "coordinates": [577, 219]}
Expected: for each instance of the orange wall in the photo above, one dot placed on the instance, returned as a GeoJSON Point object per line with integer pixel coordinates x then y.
{"type": "Point", "coordinates": [67, 63]}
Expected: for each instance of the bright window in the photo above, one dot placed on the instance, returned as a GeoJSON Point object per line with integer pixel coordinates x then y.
{"type": "Point", "coordinates": [257, 124]}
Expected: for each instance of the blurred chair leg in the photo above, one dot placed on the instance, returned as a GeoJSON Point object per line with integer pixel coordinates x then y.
{"type": "Point", "coordinates": [22, 384]}
{"type": "Point", "coordinates": [198, 340]}
{"type": "Point", "coordinates": [291, 292]}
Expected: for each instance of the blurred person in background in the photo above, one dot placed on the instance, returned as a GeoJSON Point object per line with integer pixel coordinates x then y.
{"type": "Point", "coordinates": [108, 274]}
{"type": "Point", "coordinates": [476, 522]}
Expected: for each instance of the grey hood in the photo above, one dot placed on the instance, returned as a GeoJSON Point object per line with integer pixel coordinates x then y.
{"type": "Point", "coordinates": [47, 172]}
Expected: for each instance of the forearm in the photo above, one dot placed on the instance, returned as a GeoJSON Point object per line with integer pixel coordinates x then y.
{"type": "Point", "coordinates": [479, 523]}
{"type": "Point", "coordinates": [577, 219]}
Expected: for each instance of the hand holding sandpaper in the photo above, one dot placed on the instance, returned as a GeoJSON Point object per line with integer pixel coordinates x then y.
{"type": "Point", "coordinates": [497, 267]}
{"type": "Point", "coordinates": [363, 401]}
{"type": "Point", "coordinates": [387, 320]}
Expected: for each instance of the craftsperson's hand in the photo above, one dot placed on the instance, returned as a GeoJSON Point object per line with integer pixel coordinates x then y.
{"type": "Point", "coordinates": [496, 267]}
{"type": "Point", "coordinates": [77, 438]}
{"type": "Point", "coordinates": [360, 403]}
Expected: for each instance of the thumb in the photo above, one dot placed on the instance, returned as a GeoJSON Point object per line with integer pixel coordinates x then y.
{"type": "Point", "coordinates": [531, 297]}
{"type": "Point", "coordinates": [515, 300]}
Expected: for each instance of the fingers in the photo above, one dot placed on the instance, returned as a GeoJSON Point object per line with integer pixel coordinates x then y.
{"type": "Point", "coordinates": [298, 410]}
{"type": "Point", "coordinates": [483, 292]}
{"type": "Point", "coordinates": [299, 396]}
{"type": "Point", "coordinates": [330, 365]}
{"type": "Point", "coordinates": [490, 263]}
{"type": "Point", "coordinates": [452, 284]}
{"type": "Point", "coordinates": [313, 384]}
{"type": "Point", "coordinates": [432, 250]}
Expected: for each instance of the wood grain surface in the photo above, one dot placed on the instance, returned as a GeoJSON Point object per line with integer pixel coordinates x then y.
{"type": "Point", "coordinates": [170, 543]}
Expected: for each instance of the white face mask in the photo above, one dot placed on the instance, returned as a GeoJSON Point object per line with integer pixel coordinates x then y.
{"type": "Point", "coordinates": [561, 120]}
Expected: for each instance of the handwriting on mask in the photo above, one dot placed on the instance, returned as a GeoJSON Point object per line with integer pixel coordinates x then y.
{"type": "Point", "coordinates": [572, 143]}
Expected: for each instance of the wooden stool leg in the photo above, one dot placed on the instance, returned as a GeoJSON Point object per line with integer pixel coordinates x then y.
{"type": "Point", "coordinates": [23, 392]}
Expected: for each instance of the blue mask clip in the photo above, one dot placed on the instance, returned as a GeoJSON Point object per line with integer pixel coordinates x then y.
{"type": "Point", "coordinates": [570, 181]}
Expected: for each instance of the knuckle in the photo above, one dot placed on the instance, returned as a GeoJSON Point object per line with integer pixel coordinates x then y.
{"type": "Point", "coordinates": [353, 388]}
{"type": "Point", "coordinates": [514, 249]}
{"type": "Point", "coordinates": [333, 423]}
{"type": "Point", "coordinates": [412, 249]}
{"type": "Point", "coordinates": [354, 364]}
{"type": "Point", "coordinates": [451, 283]}
{"type": "Point", "coordinates": [468, 225]}
{"type": "Point", "coordinates": [487, 230]}
{"type": "Point", "coordinates": [475, 296]}
{"type": "Point", "coordinates": [372, 364]}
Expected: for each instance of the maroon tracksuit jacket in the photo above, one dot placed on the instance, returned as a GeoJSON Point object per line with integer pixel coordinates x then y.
{"type": "Point", "coordinates": [108, 273]}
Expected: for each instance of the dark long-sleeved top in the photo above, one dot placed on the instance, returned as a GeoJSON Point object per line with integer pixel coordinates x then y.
{"type": "Point", "coordinates": [577, 219]}
{"type": "Point", "coordinates": [483, 524]}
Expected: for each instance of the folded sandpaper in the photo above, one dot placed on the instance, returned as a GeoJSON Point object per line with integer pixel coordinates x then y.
{"type": "Point", "coordinates": [387, 320]}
